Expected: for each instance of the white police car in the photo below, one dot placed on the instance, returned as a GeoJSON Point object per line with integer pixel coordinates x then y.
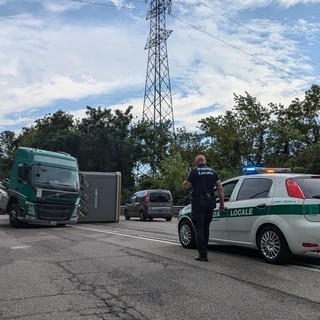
{"type": "Point", "coordinates": [275, 211]}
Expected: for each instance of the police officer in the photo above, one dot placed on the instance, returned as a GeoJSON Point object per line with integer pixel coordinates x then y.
{"type": "Point", "coordinates": [202, 180]}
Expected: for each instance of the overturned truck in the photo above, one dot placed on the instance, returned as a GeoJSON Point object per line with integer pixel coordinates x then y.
{"type": "Point", "coordinates": [44, 188]}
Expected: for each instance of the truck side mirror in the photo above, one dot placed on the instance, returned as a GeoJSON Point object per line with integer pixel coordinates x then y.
{"type": "Point", "coordinates": [23, 171]}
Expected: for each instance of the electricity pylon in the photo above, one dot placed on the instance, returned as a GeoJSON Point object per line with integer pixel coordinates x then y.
{"type": "Point", "coordinates": [157, 106]}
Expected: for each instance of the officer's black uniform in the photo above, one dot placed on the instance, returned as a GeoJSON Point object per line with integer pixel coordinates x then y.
{"type": "Point", "coordinates": [203, 179]}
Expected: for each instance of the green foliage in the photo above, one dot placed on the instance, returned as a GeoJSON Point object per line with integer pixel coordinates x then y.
{"type": "Point", "coordinates": [153, 142]}
{"type": "Point", "coordinates": [171, 176]}
{"type": "Point", "coordinates": [125, 195]}
{"type": "Point", "coordinates": [110, 140]}
{"type": "Point", "coordinates": [7, 150]}
{"type": "Point", "coordinates": [307, 161]}
{"type": "Point", "coordinates": [188, 145]}
{"type": "Point", "coordinates": [225, 149]}
{"type": "Point", "coordinates": [173, 173]}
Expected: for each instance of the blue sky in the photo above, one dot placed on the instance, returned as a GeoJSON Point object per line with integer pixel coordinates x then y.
{"type": "Point", "coordinates": [68, 54]}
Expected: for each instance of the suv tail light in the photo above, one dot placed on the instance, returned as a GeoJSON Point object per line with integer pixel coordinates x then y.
{"type": "Point", "coordinates": [147, 197]}
{"type": "Point", "coordinates": [293, 189]}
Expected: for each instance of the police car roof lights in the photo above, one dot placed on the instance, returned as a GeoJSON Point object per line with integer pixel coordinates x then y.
{"type": "Point", "coordinates": [256, 170]}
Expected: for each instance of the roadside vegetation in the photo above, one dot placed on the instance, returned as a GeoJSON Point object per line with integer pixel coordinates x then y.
{"type": "Point", "coordinates": [153, 156]}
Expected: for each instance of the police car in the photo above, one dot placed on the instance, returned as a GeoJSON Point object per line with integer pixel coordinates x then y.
{"type": "Point", "coordinates": [269, 209]}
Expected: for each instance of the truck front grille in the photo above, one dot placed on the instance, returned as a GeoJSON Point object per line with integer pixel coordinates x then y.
{"type": "Point", "coordinates": [54, 212]}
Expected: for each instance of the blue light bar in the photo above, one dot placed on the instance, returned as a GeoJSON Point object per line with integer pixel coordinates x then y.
{"type": "Point", "coordinates": [256, 170]}
{"type": "Point", "coordinates": [251, 170]}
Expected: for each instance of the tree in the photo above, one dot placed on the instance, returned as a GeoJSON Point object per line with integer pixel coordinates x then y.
{"type": "Point", "coordinates": [56, 132]}
{"type": "Point", "coordinates": [154, 141]}
{"type": "Point", "coordinates": [253, 120]}
{"type": "Point", "coordinates": [107, 143]}
{"type": "Point", "coordinates": [170, 177]}
{"type": "Point", "coordinates": [239, 136]}
{"type": "Point", "coordinates": [7, 150]}
{"type": "Point", "coordinates": [27, 137]}
{"type": "Point", "coordinates": [284, 139]}
{"type": "Point", "coordinates": [310, 115]}
{"type": "Point", "coordinates": [294, 129]}
{"type": "Point", "coordinates": [188, 145]}
{"type": "Point", "coordinates": [225, 147]}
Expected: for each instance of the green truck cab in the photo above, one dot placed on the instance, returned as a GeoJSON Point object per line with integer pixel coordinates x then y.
{"type": "Point", "coordinates": [44, 188]}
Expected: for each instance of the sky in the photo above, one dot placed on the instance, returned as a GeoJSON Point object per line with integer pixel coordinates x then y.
{"type": "Point", "coordinates": [69, 54]}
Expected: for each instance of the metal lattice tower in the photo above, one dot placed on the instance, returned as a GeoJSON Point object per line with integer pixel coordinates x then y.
{"type": "Point", "coordinates": [157, 106]}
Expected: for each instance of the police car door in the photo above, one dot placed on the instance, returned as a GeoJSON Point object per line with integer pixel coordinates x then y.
{"type": "Point", "coordinates": [250, 206]}
{"type": "Point", "coordinates": [219, 225]}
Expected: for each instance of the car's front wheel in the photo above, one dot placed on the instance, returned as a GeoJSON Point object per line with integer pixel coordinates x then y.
{"type": "Point", "coordinates": [126, 215]}
{"type": "Point", "coordinates": [142, 216]}
{"type": "Point", "coordinates": [13, 216]}
{"type": "Point", "coordinates": [273, 246]}
{"type": "Point", "coordinates": [187, 234]}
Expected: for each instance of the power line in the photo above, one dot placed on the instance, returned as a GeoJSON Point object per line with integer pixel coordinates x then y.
{"type": "Point", "coordinates": [212, 36]}
{"type": "Point", "coordinates": [239, 49]}
{"type": "Point", "coordinates": [258, 34]}
{"type": "Point", "coordinates": [110, 5]}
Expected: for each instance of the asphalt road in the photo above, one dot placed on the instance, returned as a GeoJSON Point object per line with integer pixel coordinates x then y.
{"type": "Point", "coordinates": [138, 270]}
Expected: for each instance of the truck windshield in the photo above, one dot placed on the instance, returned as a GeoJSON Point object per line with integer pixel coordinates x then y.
{"type": "Point", "coordinates": [55, 178]}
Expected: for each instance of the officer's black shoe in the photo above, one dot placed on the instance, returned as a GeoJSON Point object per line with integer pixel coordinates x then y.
{"type": "Point", "coordinates": [201, 258]}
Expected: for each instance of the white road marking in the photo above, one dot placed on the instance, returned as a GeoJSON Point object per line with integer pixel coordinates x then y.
{"type": "Point", "coordinates": [306, 268]}
{"type": "Point", "coordinates": [142, 237]}
{"type": "Point", "coordinates": [20, 247]}
{"type": "Point", "coordinates": [129, 235]}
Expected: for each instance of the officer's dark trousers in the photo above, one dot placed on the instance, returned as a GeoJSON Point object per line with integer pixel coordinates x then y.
{"type": "Point", "coordinates": [201, 217]}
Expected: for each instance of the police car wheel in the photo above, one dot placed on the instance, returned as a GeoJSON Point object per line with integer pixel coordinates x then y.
{"type": "Point", "coordinates": [187, 234]}
{"type": "Point", "coordinates": [273, 246]}
{"type": "Point", "coordinates": [13, 214]}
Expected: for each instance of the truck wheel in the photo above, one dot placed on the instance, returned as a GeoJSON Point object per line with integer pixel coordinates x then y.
{"type": "Point", "coordinates": [273, 246]}
{"type": "Point", "coordinates": [142, 216]}
{"type": "Point", "coordinates": [187, 234]}
{"type": "Point", "coordinates": [126, 215]}
{"type": "Point", "coordinates": [13, 216]}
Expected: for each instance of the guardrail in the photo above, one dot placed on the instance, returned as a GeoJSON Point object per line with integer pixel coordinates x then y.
{"type": "Point", "coordinates": [176, 210]}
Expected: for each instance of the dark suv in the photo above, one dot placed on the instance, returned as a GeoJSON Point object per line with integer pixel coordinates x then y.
{"type": "Point", "coordinates": [149, 204]}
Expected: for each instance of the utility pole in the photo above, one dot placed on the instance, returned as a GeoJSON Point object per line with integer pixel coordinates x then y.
{"type": "Point", "coordinates": [157, 106]}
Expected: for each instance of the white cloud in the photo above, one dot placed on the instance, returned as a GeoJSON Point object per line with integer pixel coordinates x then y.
{"type": "Point", "coordinates": [235, 62]}
{"type": "Point", "coordinates": [290, 3]}
{"type": "Point", "coordinates": [60, 6]}
{"type": "Point", "coordinates": [47, 57]}
{"type": "Point", "coordinates": [52, 62]}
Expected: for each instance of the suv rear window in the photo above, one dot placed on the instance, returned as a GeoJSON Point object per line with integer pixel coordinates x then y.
{"type": "Point", "coordinates": [159, 197]}
{"type": "Point", "coordinates": [309, 186]}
